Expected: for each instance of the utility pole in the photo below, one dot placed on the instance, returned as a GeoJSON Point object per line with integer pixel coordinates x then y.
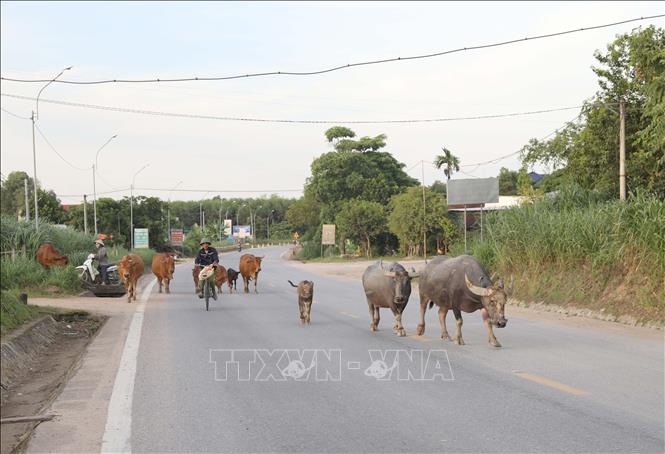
{"type": "Point", "coordinates": [422, 167]}
{"type": "Point", "coordinates": [34, 171]}
{"type": "Point", "coordinates": [27, 204]}
{"type": "Point", "coordinates": [85, 214]}
{"type": "Point", "coordinates": [94, 183]}
{"type": "Point", "coordinates": [622, 150]}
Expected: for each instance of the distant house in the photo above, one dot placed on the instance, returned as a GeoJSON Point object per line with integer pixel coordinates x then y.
{"type": "Point", "coordinates": [536, 177]}
{"type": "Point", "coordinates": [473, 211]}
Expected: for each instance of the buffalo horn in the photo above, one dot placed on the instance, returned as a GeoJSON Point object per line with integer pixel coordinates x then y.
{"type": "Point", "coordinates": [480, 291]}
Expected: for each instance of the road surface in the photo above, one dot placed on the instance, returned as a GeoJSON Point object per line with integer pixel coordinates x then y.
{"type": "Point", "coordinates": [551, 388]}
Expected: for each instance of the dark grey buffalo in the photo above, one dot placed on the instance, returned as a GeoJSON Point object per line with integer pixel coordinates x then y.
{"type": "Point", "coordinates": [387, 286]}
{"type": "Point", "coordinates": [461, 284]}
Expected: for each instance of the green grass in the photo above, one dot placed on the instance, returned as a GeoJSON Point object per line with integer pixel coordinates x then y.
{"type": "Point", "coordinates": [13, 312]}
{"type": "Point", "coordinates": [576, 249]}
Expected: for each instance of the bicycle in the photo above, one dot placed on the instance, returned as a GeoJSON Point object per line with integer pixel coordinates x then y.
{"type": "Point", "coordinates": [208, 291]}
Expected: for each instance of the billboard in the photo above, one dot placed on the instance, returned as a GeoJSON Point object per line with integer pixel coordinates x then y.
{"type": "Point", "coordinates": [242, 231]}
{"type": "Point", "coordinates": [473, 191]}
{"type": "Point", "coordinates": [177, 237]}
{"type": "Point", "coordinates": [328, 234]}
{"type": "Point", "coordinates": [141, 239]}
{"type": "Point", "coordinates": [228, 227]}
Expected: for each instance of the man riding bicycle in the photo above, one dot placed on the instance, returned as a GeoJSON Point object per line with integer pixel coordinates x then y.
{"type": "Point", "coordinates": [207, 256]}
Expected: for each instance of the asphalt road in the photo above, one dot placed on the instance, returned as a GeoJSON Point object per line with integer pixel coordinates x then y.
{"type": "Point", "coordinates": [551, 388]}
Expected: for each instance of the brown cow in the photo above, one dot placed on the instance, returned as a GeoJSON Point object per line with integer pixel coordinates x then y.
{"type": "Point", "coordinates": [130, 269]}
{"type": "Point", "coordinates": [220, 277]}
{"type": "Point", "coordinates": [250, 266]}
{"type": "Point", "coordinates": [49, 256]}
{"type": "Point", "coordinates": [163, 266]}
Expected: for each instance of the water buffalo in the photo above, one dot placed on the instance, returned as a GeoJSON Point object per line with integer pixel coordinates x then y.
{"type": "Point", "coordinates": [305, 296]}
{"type": "Point", "coordinates": [389, 288]}
{"type": "Point", "coordinates": [461, 284]}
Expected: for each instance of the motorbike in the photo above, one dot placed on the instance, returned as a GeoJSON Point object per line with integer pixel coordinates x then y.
{"type": "Point", "coordinates": [91, 280]}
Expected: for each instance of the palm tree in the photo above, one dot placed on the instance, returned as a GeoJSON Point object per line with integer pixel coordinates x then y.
{"type": "Point", "coordinates": [449, 160]}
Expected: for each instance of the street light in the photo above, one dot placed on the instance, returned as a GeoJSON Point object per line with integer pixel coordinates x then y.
{"type": "Point", "coordinates": [131, 208]}
{"type": "Point", "coordinates": [169, 210]}
{"type": "Point", "coordinates": [34, 117]}
{"type": "Point", "coordinates": [268, 223]}
{"type": "Point", "coordinates": [94, 181]}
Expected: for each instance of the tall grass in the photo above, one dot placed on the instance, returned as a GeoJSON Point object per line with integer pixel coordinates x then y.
{"type": "Point", "coordinates": [20, 271]}
{"type": "Point", "coordinates": [577, 248]}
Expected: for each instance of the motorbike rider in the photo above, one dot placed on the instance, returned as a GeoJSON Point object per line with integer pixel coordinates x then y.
{"type": "Point", "coordinates": [102, 257]}
{"type": "Point", "coordinates": [207, 256]}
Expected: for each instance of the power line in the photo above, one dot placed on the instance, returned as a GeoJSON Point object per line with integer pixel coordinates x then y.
{"type": "Point", "coordinates": [56, 151]}
{"type": "Point", "coordinates": [340, 67]}
{"type": "Point", "coordinates": [219, 191]}
{"type": "Point", "coordinates": [274, 120]}
{"type": "Point", "coordinates": [14, 115]}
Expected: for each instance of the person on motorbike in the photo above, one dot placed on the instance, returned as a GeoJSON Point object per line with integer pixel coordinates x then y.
{"type": "Point", "coordinates": [207, 256]}
{"type": "Point", "coordinates": [103, 258]}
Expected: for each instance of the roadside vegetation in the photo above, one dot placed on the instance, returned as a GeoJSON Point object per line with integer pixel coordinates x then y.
{"type": "Point", "coordinates": [20, 272]}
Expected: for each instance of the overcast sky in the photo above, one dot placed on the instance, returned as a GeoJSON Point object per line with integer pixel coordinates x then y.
{"type": "Point", "coordinates": [162, 40]}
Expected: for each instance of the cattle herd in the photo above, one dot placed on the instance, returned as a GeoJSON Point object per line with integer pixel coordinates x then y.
{"type": "Point", "coordinates": [459, 284]}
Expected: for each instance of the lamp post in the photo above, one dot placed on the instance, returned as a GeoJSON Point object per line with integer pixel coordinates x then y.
{"type": "Point", "coordinates": [168, 216]}
{"type": "Point", "coordinates": [94, 181]}
{"type": "Point", "coordinates": [34, 117]}
{"type": "Point", "coordinates": [131, 208]}
{"type": "Point", "coordinates": [268, 223]}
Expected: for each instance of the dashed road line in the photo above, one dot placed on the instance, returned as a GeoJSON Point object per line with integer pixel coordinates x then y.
{"type": "Point", "coordinates": [551, 383]}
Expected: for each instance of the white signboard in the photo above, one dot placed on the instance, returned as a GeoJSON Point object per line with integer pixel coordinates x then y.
{"type": "Point", "coordinates": [473, 191]}
{"type": "Point", "coordinates": [228, 227]}
{"type": "Point", "coordinates": [328, 234]}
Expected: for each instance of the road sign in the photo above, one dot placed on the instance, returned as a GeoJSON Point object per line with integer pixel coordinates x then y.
{"type": "Point", "coordinates": [177, 237]}
{"type": "Point", "coordinates": [328, 234]}
{"type": "Point", "coordinates": [473, 191]}
{"type": "Point", "coordinates": [141, 239]}
{"type": "Point", "coordinates": [242, 231]}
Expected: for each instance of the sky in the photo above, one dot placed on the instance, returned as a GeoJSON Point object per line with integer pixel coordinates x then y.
{"type": "Point", "coordinates": [132, 40]}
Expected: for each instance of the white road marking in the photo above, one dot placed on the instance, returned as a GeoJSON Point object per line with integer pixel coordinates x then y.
{"type": "Point", "coordinates": [118, 431]}
{"type": "Point", "coordinates": [349, 315]}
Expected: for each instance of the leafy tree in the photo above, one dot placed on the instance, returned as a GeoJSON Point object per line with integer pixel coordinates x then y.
{"type": "Point", "coordinates": [12, 194]}
{"type": "Point", "coordinates": [439, 187]}
{"type": "Point", "coordinates": [361, 221]}
{"type": "Point", "coordinates": [406, 219]}
{"type": "Point", "coordinates": [507, 181]}
{"type": "Point", "coordinates": [447, 160]}
{"type": "Point", "coordinates": [336, 133]}
{"type": "Point", "coordinates": [631, 70]}
{"type": "Point", "coordinates": [50, 207]}
{"type": "Point", "coordinates": [304, 214]}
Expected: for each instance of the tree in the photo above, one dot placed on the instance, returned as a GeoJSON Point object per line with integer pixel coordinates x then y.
{"type": "Point", "coordinates": [342, 139]}
{"type": "Point", "coordinates": [631, 70]}
{"type": "Point", "coordinates": [50, 207]}
{"type": "Point", "coordinates": [447, 160]}
{"type": "Point", "coordinates": [304, 214]}
{"type": "Point", "coordinates": [439, 187]}
{"type": "Point", "coordinates": [12, 194]}
{"type": "Point", "coordinates": [336, 133]}
{"type": "Point", "coordinates": [361, 221]}
{"type": "Point", "coordinates": [406, 218]}
{"type": "Point", "coordinates": [507, 181]}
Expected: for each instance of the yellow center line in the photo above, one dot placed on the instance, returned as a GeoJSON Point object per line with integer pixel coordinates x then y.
{"type": "Point", "coordinates": [551, 383]}
{"type": "Point", "coordinates": [349, 315]}
{"type": "Point", "coordinates": [419, 338]}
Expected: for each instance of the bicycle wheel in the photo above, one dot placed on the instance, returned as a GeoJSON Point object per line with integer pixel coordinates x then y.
{"type": "Point", "coordinates": [206, 293]}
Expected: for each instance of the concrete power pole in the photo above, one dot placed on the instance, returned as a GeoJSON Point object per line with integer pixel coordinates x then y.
{"type": "Point", "coordinates": [85, 214]}
{"type": "Point", "coordinates": [422, 168]}
{"type": "Point", "coordinates": [622, 150]}
{"type": "Point", "coordinates": [27, 203]}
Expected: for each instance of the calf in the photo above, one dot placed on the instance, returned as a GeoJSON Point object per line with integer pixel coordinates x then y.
{"type": "Point", "coordinates": [305, 296]}
{"type": "Point", "coordinates": [130, 269]}
{"type": "Point", "coordinates": [250, 266]}
{"type": "Point", "coordinates": [232, 277]}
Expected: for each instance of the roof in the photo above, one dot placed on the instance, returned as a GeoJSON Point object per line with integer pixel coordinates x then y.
{"type": "Point", "coordinates": [536, 177]}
